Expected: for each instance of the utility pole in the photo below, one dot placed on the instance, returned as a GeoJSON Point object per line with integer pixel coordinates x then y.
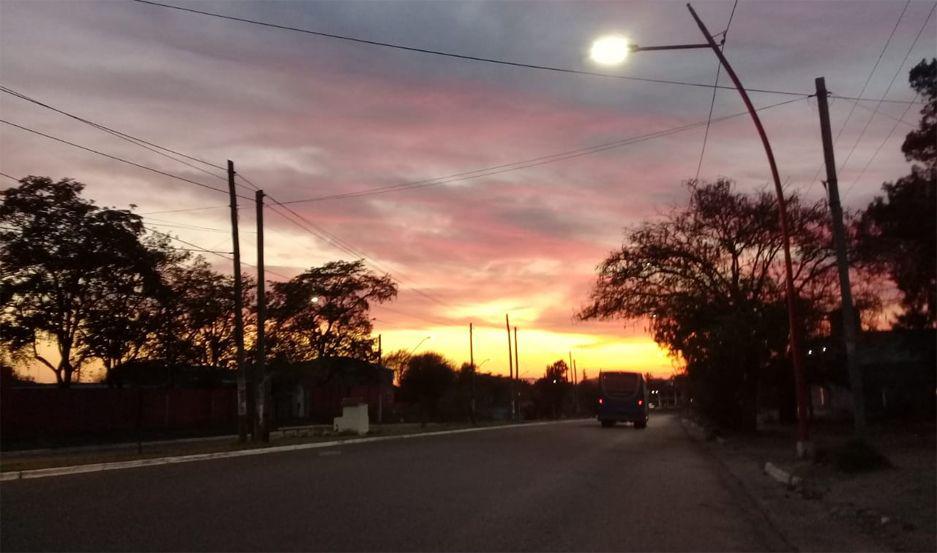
{"type": "Point", "coordinates": [576, 385]}
{"type": "Point", "coordinates": [507, 325]}
{"type": "Point", "coordinates": [380, 351]}
{"type": "Point", "coordinates": [517, 377]}
{"type": "Point", "coordinates": [243, 417]}
{"type": "Point", "coordinates": [847, 310]}
{"type": "Point", "coordinates": [262, 430]}
{"type": "Point", "coordinates": [472, 365]}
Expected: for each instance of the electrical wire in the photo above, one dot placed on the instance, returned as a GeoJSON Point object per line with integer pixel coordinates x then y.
{"type": "Point", "coordinates": [877, 150]}
{"type": "Point", "coordinates": [185, 210]}
{"type": "Point", "coordinates": [890, 84]}
{"type": "Point", "coordinates": [120, 159]}
{"type": "Point", "coordinates": [531, 162]}
{"type": "Point", "coordinates": [323, 234]}
{"type": "Point", "coordinates": [712, 102]}
{"type": "Point", "coordinates": [14, 179]}
{"type": "Point", "coordinates": [145, 144]}
{"type": "Point", "coordinates": [225, 255]}
{"type": "Point", "coordinates": [465, 56]}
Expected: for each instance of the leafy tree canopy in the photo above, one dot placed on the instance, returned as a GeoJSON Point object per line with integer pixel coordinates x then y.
{"type": "Point", "coordinates": [324, 311]}
{"type": "Point", "coordinates": [62, 257]}
{"type": "Point", "coordinates": [898, 232]}
{"type": "Point", "coordinates": [708, 280]}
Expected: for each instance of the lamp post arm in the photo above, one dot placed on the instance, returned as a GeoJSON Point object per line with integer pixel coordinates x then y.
{"type": "Point", "coordinates": [803, 445]}
{"type": "Point", "coordinates": [636, 48]}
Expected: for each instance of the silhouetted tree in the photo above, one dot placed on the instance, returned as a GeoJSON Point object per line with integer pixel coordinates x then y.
{"type": "Point", "coordinates": [324, 311]}
{"type": "Point", "coordinates": [898, 232]}
{"type": "Point", "coordinates": [550, 390]}
{"type": "Point", "coordinates": [397, 361]}
{"type": "Point", "coordinates": [194, 320]}
{"type": "Point", "coordinates": [426, 379]}
{"type": "Point", "coordinates": [62, 258]}
{"type": "Point", "coordinates": [120, 324]}
{"type": "Point", "coordinates": [709, 281]}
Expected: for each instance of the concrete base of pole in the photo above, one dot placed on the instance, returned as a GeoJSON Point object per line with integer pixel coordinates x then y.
{"type": "Point", "coordinates": [805, 450]}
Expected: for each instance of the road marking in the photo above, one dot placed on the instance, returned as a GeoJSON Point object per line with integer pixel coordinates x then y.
{"type": "Point", "coordinates": [118, 465]}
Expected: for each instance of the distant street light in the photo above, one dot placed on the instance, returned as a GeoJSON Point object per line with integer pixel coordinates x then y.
{"type": "Point", "coordinates": [315, 299]}
{"type": "Point", "coordinates": [613, 50]}
{"type": "Point", "coordinates": [420, 343]}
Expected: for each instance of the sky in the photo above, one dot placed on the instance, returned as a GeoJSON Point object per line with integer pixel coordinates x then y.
{"type": "Point", "coordinates": [305, 116]}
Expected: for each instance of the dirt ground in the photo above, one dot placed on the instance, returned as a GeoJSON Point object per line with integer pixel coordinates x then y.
{"type": "Point", "coordinates": [896, 507]}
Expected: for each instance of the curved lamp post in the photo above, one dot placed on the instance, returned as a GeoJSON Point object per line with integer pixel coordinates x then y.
{"type": "Point", "coordinates": [614, 50]}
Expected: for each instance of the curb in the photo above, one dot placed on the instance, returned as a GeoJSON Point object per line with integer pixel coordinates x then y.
{"type": "Point", "coordinates": [118, 465]}
{"type": "Point", "coordinates": [782, 475]}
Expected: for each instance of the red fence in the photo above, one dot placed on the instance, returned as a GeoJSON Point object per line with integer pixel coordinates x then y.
{"type": "Point", "coordinates": [28, 413]}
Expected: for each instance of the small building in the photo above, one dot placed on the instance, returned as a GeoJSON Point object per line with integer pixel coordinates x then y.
{"type": "Point", "coordinates": [898, 368]}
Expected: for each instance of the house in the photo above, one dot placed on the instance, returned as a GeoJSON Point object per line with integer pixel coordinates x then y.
{"type": "Point", "coordinates": [899, 369]}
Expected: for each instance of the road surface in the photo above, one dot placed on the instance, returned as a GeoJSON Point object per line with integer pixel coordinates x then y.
{"type": "Point", "coordinates": [569, 486]}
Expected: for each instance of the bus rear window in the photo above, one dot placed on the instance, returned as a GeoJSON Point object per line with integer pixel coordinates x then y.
{"type": "Point", "coordinates": [620, 383]}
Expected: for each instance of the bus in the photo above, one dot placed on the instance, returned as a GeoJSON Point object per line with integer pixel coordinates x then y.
{"type": "Point", "coordinates": [622, 398]}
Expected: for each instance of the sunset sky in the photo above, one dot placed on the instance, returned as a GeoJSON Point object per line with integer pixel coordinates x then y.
{"type": "Point", "coordinates": [305, 116]}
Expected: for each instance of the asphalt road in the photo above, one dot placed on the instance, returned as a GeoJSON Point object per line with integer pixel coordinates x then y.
{"type": "Point", "coordinates": [571, 486]}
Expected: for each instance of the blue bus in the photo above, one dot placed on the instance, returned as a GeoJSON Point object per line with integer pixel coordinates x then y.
{"type": "Point", "coordinates": [622, 398]}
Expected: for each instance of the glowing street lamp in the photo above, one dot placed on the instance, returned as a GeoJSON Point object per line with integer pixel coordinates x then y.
{"type": "Point", "coordinates": [612, 50]}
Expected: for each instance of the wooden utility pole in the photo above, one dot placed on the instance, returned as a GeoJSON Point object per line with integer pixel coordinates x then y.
{"type": "Point", "coordinates": [507, 325]}
{"type": "Point", "coordinates": [242, 380]}
{"type": "Point", "coordinates": [380, 351]}
{"type": "Point", "coordinates": [262, 429]}
{"type": "Point", "coordinates": [472, 365]}
{"type": "Point", "coordinates": [517, 377]}
{"type": "Point", "coordinates": [847, 310]}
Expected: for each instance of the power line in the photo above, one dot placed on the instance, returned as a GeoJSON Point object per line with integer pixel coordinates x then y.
{"type": "Point", "coordinates": [868, 79]}
{"type": "Point", "coordinates": [202, 249]}
{"type": "Point", "coordinates": [14, 179]}
{"type": "Point", "coordinates": [120, 159]}
{"type": "Point", "coordinates": [530, 162]}
{"type": "Point", "coordinates": [337, 242]}
{"type": "Point", "coordinates": [466, 57]}
{"type": "Point", "coordinates": [877, 150]}
{"type": "Point", "coordinates": [712, 102]}
{"type": "Point", "coordinates": [136, 141]}
{"type": "Point", "coordinates": [910, 103]}
{"type": "Point", "coordinates": [184, 210]}
{"type": "Point", "coordinates": [890, 84]}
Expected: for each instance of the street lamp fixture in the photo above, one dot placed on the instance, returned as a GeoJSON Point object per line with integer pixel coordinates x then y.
{"type": "Point", "coordinates": [607, 51]}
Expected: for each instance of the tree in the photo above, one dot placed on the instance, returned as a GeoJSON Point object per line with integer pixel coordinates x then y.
{"type": "Point", "coordinates": [61, 257]}
{"type": "Point", "coordinates": [120, 323]}
{"type": "Point", "coordinates": [426, 379]}
{"type": "Point", "coordinates": [397, 361]}
{"type": "Point", "coordinates": [898, 233]}
{"type": "Point", "coordinates": [551, 389]}
{"type": "Point", "coordinates": [195, 320]}
{"type": "Point", "coordinates": [324, 312]}
{"type": "Point", "coordinates": [709, 282]}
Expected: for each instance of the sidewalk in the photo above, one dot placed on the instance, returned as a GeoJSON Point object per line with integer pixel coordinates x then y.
{"type": "Point", "coordinates": [130, 451]}
{"type": "Point", "coordinates": [893, 509]}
